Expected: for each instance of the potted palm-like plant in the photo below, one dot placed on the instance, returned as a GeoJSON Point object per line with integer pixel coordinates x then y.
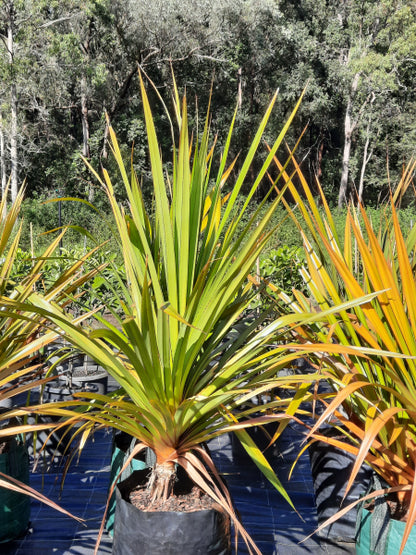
{"type": "Point", "coordinates": [374, 401]}
{"type": "Point", "coordinates": [23, 336]}
{"type": "Point", "coordinates": [185, 368]}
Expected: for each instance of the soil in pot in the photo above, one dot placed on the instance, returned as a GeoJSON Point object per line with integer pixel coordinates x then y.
{"type": "Point", "coordinates": [14, 507]}
{"type": "Point", "coordinates": [331, 468]}
{"type": "Point", "coordinates": [188, 524]}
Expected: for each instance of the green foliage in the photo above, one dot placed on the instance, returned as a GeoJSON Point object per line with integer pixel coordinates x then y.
{"type": "Point", "coordinates": [282, 267]}
{"type": "Point", "coordinates": [41, 216]}
{"type": "Point", "coordinates": [284, 232]}
{"type": "Point", "coordinates": [102, 292]}
{"type": "Point", "coordinates": [184, 356]}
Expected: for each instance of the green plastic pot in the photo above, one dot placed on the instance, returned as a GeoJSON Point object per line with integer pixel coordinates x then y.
{"type": "Point", "coordinates": [384, 539]}
{"type": "Point", "coordinates": [122, 447]}
{"type": "Point", "coordinates": [14, 507]}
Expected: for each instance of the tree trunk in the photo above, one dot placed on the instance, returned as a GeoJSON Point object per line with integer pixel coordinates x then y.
{"type": "Point", "coordinates": [104, 151]}
{"type": "Point", "coordinates": [319, 160]}
{"type": "Point", "coordinates": [85, 48]}
{"type": "Point", "coordinates": [2, 158]}
{"type": "Point", "coordinates": [240, 87]}
{"type": "Point", "coordinates": [366, 155]}
{"type": "Point", "coordinates": [13, 144]}
{"type": "Point", "coordinates": [13, 110]}
{"type": "Point", "coordinates": [84, 119]}
{"type": "Point", "coordinates": [349, 127]}
{"type": "Point", "coordinates": [366, 159]}
{"type": "Point", "coordinates": [85, 130]}
{"type": "Point", "coordinates": [342, 196]}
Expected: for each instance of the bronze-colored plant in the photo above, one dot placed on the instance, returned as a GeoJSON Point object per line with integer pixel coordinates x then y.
{"type": "Point", "coordinates": [376, 385]}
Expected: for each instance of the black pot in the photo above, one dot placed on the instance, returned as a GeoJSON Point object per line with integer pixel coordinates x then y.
{"type": "Point", "coordinates": [53, 352]}
{"type": "Point", "coordinates": [65, 385]}
{"type": "Point", "coordinates": [331, 468]}
{"type": "Point", "coordinates": [204, 532]}
{"type": "Point", "coordinates": [62, 388]}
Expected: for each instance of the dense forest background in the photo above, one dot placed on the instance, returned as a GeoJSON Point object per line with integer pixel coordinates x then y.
{"type": "Point", "coordinates": [66, 63]}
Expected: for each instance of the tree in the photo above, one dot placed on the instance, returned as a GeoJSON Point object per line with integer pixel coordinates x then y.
{"type": "Point", "coordinates": [68, 64]}
{"type": "Point", "coordinates": [9, 24]}
{"type": "Point", "coordinates": [23, 73]}
{"type": "Point", "coordinates": [371, 72]}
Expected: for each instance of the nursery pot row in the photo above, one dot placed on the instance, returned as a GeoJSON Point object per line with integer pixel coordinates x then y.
{"type": "Point", "coordinates": [80, 379]}
{"type": "Point", "coordinates": [62, 389]}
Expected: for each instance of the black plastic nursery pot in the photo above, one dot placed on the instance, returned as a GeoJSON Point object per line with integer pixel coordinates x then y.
{"type": "Point", "coordinates": [382, 536]}
{"type": "Point", "coordinates": [14, 507]}
{"type": "Point", "coordinates": [331, 468]}
{"type": "Point", "coordinates": [201, 532]}
{"type": "Point", "coordinates": [92, 379]}
{"type": "Point", "coordinates": [80, 379]}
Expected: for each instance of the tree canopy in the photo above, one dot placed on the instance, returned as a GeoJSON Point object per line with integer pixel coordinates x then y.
{"type": "Point", "coordinates": [66, 64]}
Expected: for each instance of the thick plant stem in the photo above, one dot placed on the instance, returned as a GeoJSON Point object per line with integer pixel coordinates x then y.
{"type": "Point", "coordinates": [161, 481]}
